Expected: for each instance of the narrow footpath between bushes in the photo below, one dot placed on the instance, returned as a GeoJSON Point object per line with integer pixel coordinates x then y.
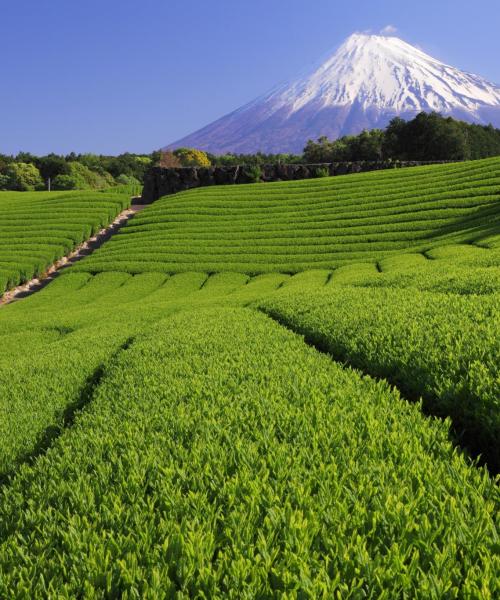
{"type": "Point", "coordinates": [88, 247]}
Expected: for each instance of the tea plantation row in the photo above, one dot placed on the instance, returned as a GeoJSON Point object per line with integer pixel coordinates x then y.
{"type": "Point", "coordinates": [221, 457]}
{"type": "Point", "coordinates": [56, 341]}
{"type": "Point", "coordinates": [442, 347]}
{"type": "Point", "coordinates": [37, 229]}
{"type": "Point", "coordinates": [293, 226]}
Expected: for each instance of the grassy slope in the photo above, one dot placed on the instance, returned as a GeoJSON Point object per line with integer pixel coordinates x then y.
{"type": "Point", "coordinates": [38, 228]}
{"type": "Point", "coordinates": [324, 223]}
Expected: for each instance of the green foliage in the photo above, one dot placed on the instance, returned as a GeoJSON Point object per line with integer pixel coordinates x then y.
{"type": "Point", "coordinates": [26, 157]}
{"type": "Point", "coordinates": [80, 177]}
{"type": "Point", "coordinates": [4, 181]}
{"type": "Point", "coordinates": [103, 169]}
{"type": "Point", "coordinates": [132, 190]}
{"type": "Point", "coordinates": [366, 146]}
{"type": "Point", "coordinates": [321, 172]}
{"type": "Point", "coordinates": [253, 173]}
{"type": "Point", "coordinates": [51, 166]}
{"type": "Point", "coordinates": [127, 180]}
{"type": "Point", "coordinates": [314, 223]}
{"type": "Point", "coordinates": [21, 177]}
{"type": "Point", "coordinates": [5, 160]}
{"type": "Point", "coordinates": [259, 158]}
{"type": "Point", "coordinates": [70, 182]}
{"type": "Point", "coordinates": [427, 137]}
{"type": "Point", "coordinates": [157, 439]}
{"type": "Point", "coordinates": [127, 164]}
{"type": "Point", "coordinates": [442, 347]}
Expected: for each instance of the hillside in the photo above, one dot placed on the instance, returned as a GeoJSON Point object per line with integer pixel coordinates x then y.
{"type": "Point", "coordinates": [323, 223]}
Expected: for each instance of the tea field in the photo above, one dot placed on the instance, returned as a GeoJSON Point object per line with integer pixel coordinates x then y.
{"type": "Point", "coordinates": [322, 223]}
{"type": "Point", "coordinates": [39, 228]}
{"type": "Point", "coordinates": [203, 408]}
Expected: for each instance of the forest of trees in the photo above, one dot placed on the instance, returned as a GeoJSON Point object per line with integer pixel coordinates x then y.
{"type": "Point", "coordinates": [428, 136]}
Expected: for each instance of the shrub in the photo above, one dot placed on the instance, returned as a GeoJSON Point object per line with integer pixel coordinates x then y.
{"type": "Point", "coordinates": [253, 173]}
{"type": "Point", "coordinates": [4, 181]}
{"type": "Point", "coordinates": [127, 180]}
{"type": "Point", "coordinates": [190, 157]}
{"type": "Point", "coordinates": [81, 177]}
{"type": "Point", "coordinates": [321, 172]}
{"type": "Point", "coordinates": [69, 182]}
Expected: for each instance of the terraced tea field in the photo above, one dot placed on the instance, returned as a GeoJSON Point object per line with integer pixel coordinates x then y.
{"type": "Point", "coordinates": [201, 432]}
{"type": "Point", "coordinates": [37, 228]}
{"type": "Point", "coordinates": [323, 223]}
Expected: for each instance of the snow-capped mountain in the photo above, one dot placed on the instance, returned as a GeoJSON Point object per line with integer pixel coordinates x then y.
{"type": "Point", "coordinates": [369, 80]}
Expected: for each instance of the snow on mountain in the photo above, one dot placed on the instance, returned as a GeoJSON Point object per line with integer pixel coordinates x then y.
{"type": "Point", "coordinates": [365, 83]}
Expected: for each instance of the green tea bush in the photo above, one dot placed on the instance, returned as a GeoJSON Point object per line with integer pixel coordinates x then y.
{"type": "Point", "coordinates": [222, 457]}
{"type": "Point", "coordinates": [158, 440]}
{"type": "Point", "coordinates": [443, 347]}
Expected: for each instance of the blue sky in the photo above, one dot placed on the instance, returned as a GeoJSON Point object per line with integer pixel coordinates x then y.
{"type": "Point", "coordinates": [111, 76]}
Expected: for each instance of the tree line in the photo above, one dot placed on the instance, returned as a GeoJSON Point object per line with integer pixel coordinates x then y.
{"type": "Point", "coordinates": [27, 172]}
{"type": "Point", "coordinates": [429, 136]}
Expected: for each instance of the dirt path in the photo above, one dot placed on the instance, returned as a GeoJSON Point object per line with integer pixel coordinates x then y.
{"type": "Point", "coordinates": [38, 283]}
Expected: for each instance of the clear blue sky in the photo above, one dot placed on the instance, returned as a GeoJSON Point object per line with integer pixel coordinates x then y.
{"type": "Point", "coordinates": [110, 76]}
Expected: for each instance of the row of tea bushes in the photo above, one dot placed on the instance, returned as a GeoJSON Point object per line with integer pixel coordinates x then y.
{"type": "Point", "coordinates": [442, 347]}
{"type": "Point", "coordinates": [222, 457]}
{"type": "Point", "coordinates": [297, 225]}
{"type": "Point", "coordinates": [37, 229]}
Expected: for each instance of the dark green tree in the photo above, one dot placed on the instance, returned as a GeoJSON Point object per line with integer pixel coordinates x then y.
{"type": "Point", "coordinates": [51, 166]}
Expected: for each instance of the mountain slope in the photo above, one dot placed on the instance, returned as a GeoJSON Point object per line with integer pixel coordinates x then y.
{"type": "Point", "coordinates": [367, 81]}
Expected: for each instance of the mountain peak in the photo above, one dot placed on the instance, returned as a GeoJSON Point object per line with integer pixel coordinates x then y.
{"type": "Point", "coordinates": [380, 44]}
{"type": "Point", "coordinates": [359, 37]}
{"type": "Point", "coordinates": [365, 82]}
